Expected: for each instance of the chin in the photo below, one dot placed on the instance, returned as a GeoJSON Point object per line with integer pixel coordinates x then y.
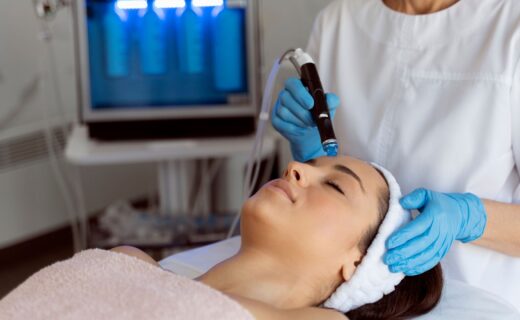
{"type": "Point", "coordinates": [263, 206]}
{"type": "Point", "coordinates": [260, 220]}
{"type": "Point", "coordinates": [255, 213]}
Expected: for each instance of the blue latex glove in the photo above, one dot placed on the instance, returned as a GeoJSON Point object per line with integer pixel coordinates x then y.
{"type": "Point", "coordinates": [421, 244]}
{"type": "Point", "coordinates": [291, 117]}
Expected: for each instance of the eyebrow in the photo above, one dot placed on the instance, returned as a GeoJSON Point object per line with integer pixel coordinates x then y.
{"type": "Point", "coordinates": [346, 170]}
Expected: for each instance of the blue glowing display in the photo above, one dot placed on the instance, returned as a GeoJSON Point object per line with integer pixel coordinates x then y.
{"type": "Point", "coordinates": [207, 3]}
{"type": "Point", "coordinates": [169, 4]}
{"type": "Point", "coordinates": [165, 4]}
{"type": "Point", "coordinates": [132, 4]}
{"type": "Point", "coordinates": [165, 53]}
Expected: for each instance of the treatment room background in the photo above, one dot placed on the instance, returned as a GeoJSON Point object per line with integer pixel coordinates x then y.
{"type": "Point", "coordinates": [34, 217]}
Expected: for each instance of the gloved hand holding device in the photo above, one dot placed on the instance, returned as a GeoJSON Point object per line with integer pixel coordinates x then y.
{"type": "Point", "coordinates": [444, 217]}
{"type": "Point", "coordinates": [291, 117]}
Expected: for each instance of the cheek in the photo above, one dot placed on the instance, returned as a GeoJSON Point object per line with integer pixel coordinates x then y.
{"type": "Point", "coordinates": [331, 224]}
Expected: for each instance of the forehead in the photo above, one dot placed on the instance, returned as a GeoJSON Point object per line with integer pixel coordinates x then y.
{"type": "Point", "coordinates": [371, 178]}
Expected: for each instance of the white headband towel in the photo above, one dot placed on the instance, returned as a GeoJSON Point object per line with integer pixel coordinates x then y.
{"type": "Point", "coordinates": [372, 279]}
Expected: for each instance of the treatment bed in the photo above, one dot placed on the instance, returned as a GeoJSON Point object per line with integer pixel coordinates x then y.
{"type": "Point", "coordinates": [459, 301]}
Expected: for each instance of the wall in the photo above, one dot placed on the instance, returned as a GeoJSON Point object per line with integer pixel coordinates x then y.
{"type": "Point", "coordinates": [287, 24]}
{"type": "Point", "coordinates": [31, 201]}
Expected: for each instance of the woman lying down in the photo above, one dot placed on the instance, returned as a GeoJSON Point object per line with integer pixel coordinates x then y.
{"type": "Point", "coordinates": [312, 247]}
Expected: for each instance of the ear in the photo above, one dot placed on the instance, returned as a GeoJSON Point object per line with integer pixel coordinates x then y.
{"type": "Point", "coordinates": [350, 266]}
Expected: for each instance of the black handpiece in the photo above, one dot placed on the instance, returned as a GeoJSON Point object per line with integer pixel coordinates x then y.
{"type": "Point", "coordinates": [320, 112]}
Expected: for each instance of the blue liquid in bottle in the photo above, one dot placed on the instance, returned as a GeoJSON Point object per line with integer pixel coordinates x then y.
{"type": "Point", "coordinates": [153, 41]}
{"type": "Point", "coordinates": [117, 44]}
{"type": "Point", "coordinates": [190, 39]}
{"type": "Point", "coordinates": [228, 49]}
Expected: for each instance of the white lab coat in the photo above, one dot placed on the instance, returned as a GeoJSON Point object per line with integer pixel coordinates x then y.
{"type": "Point", "coordinates": [435, 99]}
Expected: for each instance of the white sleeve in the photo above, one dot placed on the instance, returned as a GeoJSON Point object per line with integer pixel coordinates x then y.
{"type": "Point", "coordinates": [515, 129]}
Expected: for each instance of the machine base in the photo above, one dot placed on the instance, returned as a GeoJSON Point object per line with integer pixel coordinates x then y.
{"type": "Point", "coordinates": [170, 129]}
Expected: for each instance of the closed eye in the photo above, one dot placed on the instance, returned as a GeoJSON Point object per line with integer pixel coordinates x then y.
{"type": "Point", "coordinates": [334, 186]}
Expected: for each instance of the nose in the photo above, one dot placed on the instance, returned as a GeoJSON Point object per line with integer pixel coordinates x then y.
{"type": "Point", "coordinates": [297, 172]}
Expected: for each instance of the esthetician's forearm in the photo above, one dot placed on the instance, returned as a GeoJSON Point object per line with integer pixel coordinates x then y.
{"type": "Point", "coordinates": [502, 231]}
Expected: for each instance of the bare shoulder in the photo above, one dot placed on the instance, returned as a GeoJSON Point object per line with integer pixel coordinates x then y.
{"type": "Point", "coordinates": [316, 313]}
{"type": "Point", "coordinates": [135, 252]}
{"type": "Point", "coordinates": [261, 311]}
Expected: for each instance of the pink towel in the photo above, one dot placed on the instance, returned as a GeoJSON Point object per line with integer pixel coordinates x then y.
{"type": "Point", "coordinates": [98, 284]}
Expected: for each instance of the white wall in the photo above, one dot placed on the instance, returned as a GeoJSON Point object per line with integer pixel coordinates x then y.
{"type": "Point", "coordinates": [287, 24]}
{"type": "Point", "coordinates": [30, 201]}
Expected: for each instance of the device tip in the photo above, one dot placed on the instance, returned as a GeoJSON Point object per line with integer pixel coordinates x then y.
{"type": "Point", "coordinates": [331, 149]}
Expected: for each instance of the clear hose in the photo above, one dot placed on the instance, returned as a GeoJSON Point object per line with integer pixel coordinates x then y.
{"type": "Point", "coordinates": [255, 157]}
{"type": "Point", "coordinates": [65, 184]}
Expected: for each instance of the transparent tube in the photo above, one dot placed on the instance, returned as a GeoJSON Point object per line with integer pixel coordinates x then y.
{"type": "Point", "coordinates": [78, 222]}
{"type": "Point", "coordinates": [255, 158]}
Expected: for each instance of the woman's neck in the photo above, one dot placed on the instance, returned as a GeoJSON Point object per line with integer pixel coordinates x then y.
{"type": "Point", "coordinates": [256, 276]}
{"type": "Point", "coordinates": [416, 7]}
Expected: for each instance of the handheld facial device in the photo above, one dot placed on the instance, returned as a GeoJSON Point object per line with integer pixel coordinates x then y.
{"type": "Point", "coordinates": [306, 67]}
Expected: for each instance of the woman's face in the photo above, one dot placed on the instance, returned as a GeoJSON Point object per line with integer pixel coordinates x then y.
{"type": "Point", "coordinates": [314, 216]}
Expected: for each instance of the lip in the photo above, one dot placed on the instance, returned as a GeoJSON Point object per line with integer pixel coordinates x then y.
{"type": "Point", "coordinates": [285, 187]}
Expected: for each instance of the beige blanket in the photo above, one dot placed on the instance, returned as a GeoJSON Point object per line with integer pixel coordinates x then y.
{"type": "Point", "coordinates": [98, 284]}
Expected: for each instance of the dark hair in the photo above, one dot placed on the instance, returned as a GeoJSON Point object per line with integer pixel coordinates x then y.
{"type": "Point", "coordinates": [412, 297]}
